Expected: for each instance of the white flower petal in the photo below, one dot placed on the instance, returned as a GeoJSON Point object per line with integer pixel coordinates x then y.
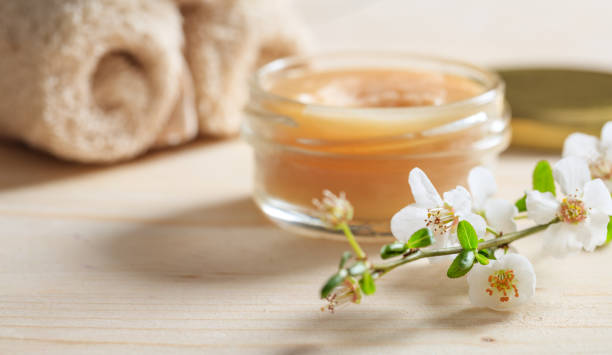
{"type": "Point", "coordinates": [607, 154]}
{"type": "Point", "coordinates": [459, 198]}
{"type": "Point", "coordinates": [499, 252]}
{"type": "Point", "coordinates": [581, 145]}
{"type": "Point", "coordinates": [477, 280]}
{"type": "Point", "coordinates": [541, 207]}
{"type": "Point", "coordinates": [440, 241]}
{"type": "Point", "coordinates": [407, 221]}
{"type": "Point", "coordinates": [424, 193]}
{"type": "Point", "coordinates": [446, 240]}
{"type": "Point", "coordinates": [597, 196]}
{"type": "Point", "coordinates": [608, 184]}
{"type": "Point", "coordinates": [562, 238]}
{"type": "Point", "coordinates": [479, 224]}
{"type": "Point", "coordinates": [595, 232]}
{"type": "Point", "coordinates": [482, 186]}
{"type": "Point", "coordinates": [500, 215]}
{"type": "Point", "coordinates": [524, 281]}
{"type": "Point", "coordinates": [606, 135]}
{"type": "Point", "coordinates": [572, 173]}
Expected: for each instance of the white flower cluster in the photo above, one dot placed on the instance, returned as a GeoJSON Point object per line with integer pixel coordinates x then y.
{"type": "Point", "coordinates": [583, 211]}
{"type": "Point", "coordinates": [582, 214]}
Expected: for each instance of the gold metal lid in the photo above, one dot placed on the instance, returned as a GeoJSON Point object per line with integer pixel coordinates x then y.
{"type": "Point", "coordinates": [548, 104]}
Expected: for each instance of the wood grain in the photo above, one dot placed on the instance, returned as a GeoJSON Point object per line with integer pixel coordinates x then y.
{"type": "Point", "coordinates": [169, 254]}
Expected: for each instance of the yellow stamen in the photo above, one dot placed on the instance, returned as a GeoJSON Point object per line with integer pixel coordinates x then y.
{"type": "Point", "coordinates": [503, 283]}
{"type": "Point", "coordinates": [572, 210]}
{"type": "Point", "coordinates": [441, 219]}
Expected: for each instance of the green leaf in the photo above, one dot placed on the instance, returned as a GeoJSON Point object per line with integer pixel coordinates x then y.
{"type": "Point", "coordinates": [609, 238]}
{"type": "Point", "coordinates": [481, 258]}
{"type": "Point", "coordinates": [421, 238]}
{"type": "Point", "coordinates": [345, 256]}
{"type": "Point", "coordinates": [461, 265]}
{"type": "Point", "coordinates": [367, 283]}
{"type": "Point", "coordinates": [467, 236]}
{"type": "Point", "coordinates": [393, 249]}
{"type": "Point", "coordinates": [358, 269]}
{"type": "Point", "coordinates": [521, 204]}
{"type": "Point", "coordinates": [334, 281]}
{"type": "Point", "coordinates": [487, 253]}
{"type": "Point", "coordinates": [543, 179]}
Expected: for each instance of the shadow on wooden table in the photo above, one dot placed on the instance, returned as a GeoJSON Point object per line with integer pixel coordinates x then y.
{"type": "Point", "coordinates": [195, 256]}
{"type": "Point", "coordinates": [420, 301]}
{"type": "Point", "coordinates": [221, 244]}
{"type": "Point", "coordinates": [21, 166]}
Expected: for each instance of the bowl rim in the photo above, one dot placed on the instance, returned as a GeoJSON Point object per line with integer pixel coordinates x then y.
{"type": "Point", "coordinates": [493, 84]}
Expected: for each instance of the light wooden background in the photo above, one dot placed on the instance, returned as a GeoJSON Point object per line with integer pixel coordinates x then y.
{"type": "Point", "coordinates": [491, 33]}
{"type": "Point", "coordinates": [167, 254]}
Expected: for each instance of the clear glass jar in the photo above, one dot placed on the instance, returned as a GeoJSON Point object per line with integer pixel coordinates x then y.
{"type": "Point", "coordinates": [303, 148]}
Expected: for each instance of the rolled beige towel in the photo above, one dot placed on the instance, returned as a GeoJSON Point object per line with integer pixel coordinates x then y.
{"type": "Point", "coordinates": [182, 126]}
{"type": "Point", "coordinates": [103, 81]}
{"type": "Point", "coordinates": [119, 85]}
{"type": "Point", "coordinates": [89, 80]}
{"type": "Point", "coordinates": [225, 41]}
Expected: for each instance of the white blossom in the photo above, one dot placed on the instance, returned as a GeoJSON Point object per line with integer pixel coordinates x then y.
{"type": "Point", "coordinates": [583, 211]}
{"type": "Point", "coordinates": [503, 284]}
{"type": "Point", "coordinates": [333, 209]}
{"type": "Point", "coordinates": [441, 216]}
{"type": "Point", "coordinates": [596, 152]}
{"type": "Point", "coordinates": [498, 213]}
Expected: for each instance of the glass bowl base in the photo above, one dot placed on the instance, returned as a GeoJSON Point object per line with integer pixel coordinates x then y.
{"type": "Point", "coordinates": [301, 221]}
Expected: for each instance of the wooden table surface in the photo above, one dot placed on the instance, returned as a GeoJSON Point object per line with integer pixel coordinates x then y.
{"type": "Point", "coordinates": [169, 254]}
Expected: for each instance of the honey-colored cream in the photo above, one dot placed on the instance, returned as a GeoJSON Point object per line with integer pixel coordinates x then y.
{"type": "Point", "coordinates": [361, 131]}
{"type": "Point", "coordinates": [376, 88]}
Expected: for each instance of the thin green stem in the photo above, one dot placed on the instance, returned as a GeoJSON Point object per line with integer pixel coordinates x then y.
{"type": "Point", "coordinates": [492, 231]}
{"type": "Point", "coordinates": [380, 270]}
{"type": "Point", "coordinates": [521, 216]}
{"type": "Point", "coordinates": [344, 227]}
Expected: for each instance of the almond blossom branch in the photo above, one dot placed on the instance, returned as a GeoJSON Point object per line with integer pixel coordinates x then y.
{"type": "Point", "coordinates": [344, 227]}
{"type": "Point", "coordinates": [380, 270]}
{"type": "Point", "coordinates": [459, 221]}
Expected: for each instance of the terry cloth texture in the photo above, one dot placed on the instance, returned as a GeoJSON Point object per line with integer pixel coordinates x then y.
{"type": "Point", "coordinates": [103, 81]}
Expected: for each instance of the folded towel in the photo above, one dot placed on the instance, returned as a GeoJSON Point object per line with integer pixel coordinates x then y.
{"type": "Point", "coordinates": [225, 41]}
{"type": "Point", "coordinates": [182, 125]}
{"type": "Point", "coordinates": [87, 80]}
{"type": "Point", "coordinates": [102, 81]}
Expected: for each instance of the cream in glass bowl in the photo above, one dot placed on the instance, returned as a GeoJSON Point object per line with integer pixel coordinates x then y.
{"type": "Point", "coordinates": [358, 123]}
